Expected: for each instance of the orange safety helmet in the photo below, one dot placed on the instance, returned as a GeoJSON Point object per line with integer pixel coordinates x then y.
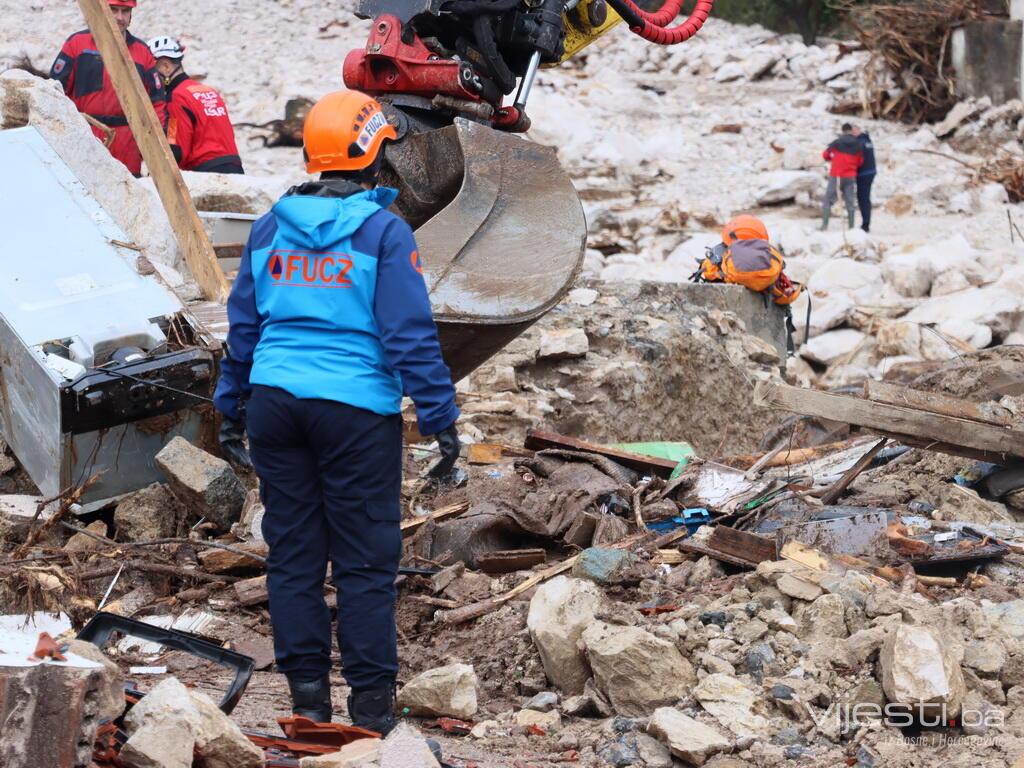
{"type": "Point", "coordinates": [345, 131]}
{"type": "Point", "coordinates": [744, 227]}
{"type": "Point", "coordinates": [123, 3]}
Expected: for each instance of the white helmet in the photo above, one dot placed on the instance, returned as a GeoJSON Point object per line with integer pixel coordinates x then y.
{"type": "Point", "coordinates": [166, 48]}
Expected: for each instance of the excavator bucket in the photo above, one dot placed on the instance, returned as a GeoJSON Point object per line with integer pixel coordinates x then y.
{"type": "Point", "coordinates": [500, 229]}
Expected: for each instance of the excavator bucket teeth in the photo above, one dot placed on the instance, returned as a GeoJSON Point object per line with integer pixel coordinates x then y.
{"type": "Point", "coordinates": [500, 229]}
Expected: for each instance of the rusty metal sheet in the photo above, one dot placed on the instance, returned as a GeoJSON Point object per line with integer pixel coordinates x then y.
{"type": "Point", "coordinates": [863, 535]}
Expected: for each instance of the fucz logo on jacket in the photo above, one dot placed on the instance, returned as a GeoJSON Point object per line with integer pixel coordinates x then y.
{"type": "Point", "coordinates": [310, 269]}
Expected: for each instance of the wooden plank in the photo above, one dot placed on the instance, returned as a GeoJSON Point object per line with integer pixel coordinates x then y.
{"type": "Point", "coordinates": [699, 549]}
{"type": "Point", "coordinates": [539, 441]}
{"type": "Point", "coordinates": [509, 561]}
{"type": "Point", "coordinates": [223, 561]}
{"type": "Point", "coordinates": [831, 496]}
{"type": "Point", "coordinates": [787, 458]}
{"type": "Point", "coordinates": [149, 134]}
{"type": "Point", "coordinates": [955, 435]}
{"type": "Point", "coordinates": [933, 402]}
{"type": "Point", "coordinates": [746, 546]}
{"type": "Point", "coordinates": [251, 591]}
{"type": "Point", "coordinates": [409, 527]}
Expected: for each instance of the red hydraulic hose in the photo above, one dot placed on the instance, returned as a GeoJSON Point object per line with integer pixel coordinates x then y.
{"type": "Point", "coordinates": [651, 26]}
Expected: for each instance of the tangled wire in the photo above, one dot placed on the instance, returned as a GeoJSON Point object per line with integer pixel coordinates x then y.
{"type": "Point", "coordinates": [910, 77]}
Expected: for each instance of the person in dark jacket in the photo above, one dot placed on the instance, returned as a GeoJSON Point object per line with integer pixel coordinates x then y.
{"type": "Point", "coordinates": [846, 158]}
{"type": "Point", "coordinates": [83, 76]}
{"type": "Point", "coordinates": [330, 324]}
{"type": "Point", "coordinates": [865, 177]}
{"type": "Point", "coordinates": [199, 128]}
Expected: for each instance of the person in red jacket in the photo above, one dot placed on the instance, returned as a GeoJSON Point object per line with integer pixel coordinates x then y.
{"type": "Point", "coordinates": [198, 127]}
{"type": "Point", "coordinates": [85, 80]}
{"type": "Point", "coordinates": [847, 157]}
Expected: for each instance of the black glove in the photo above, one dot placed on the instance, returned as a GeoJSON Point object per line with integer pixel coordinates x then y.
{"type": "Point", "coordinates": [232, 442]}
{"type": "Point", "coordinates": [448, 442]}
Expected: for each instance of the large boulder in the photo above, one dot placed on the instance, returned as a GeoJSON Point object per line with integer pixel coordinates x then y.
{"type": "Point", "coordinates": [637, 671]}
{"type": "Point", "coordinates": [688, 739]}
{"type": "Point", "coordinates": [559, 612]}
{"type": "Point", "coordinates": [442, 692]}
{"type": "Point", "coordinates": [920, 672]}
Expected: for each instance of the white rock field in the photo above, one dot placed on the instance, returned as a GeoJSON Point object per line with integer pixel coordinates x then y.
{"type": "Point", "coordinates": [635, 126]}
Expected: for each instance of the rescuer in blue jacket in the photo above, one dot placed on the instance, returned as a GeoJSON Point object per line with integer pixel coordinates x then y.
{"type": "Point", "coordinates": [330, 324]}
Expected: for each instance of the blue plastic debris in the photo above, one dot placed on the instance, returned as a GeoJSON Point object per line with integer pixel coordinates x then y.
{"type": "Point", "coordinates": [691, 518]}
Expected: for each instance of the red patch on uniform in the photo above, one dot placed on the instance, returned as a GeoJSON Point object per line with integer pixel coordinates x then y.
{"type": "Point", "coordinates": [58, 66]}
{"type": "Point", "coordinates": [415, 259]}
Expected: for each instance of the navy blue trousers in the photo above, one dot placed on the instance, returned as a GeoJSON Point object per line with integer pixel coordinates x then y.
{"type": "Point", "coordinates": [330, 477]}
{"type": "Point", "coordinates": [864, 200]}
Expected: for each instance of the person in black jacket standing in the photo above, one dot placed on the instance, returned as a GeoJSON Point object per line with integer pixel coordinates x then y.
{"type": "Point", "coordinates": [865, 177]}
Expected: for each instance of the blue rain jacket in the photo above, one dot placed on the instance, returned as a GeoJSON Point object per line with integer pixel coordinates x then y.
{"type": "Point", "coordinates": [330, 303]}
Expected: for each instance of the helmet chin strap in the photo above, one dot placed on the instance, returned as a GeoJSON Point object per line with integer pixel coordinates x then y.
{"type": "Point", "coordinates": [168, 78]}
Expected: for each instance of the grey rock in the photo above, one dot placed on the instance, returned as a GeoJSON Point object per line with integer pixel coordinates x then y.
{"type": "Point", "coordinates": [151, 513]}
{"type": "Point", "coordinates": [543, 702]}
{"type": "Point", "coordinates": [206, 485]}
{"type": "Point", "coordinates": [721, 618]}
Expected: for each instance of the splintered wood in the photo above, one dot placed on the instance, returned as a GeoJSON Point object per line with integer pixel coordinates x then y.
{"type": "Point", "coordinates": [938, 423]}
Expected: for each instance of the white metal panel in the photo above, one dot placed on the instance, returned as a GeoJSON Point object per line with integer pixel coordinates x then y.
{"type": "Point", "coordinates": [62, 277]}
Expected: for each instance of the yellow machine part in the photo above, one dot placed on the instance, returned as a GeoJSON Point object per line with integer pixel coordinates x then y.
{"type": "Point", "coordinates": [578, 33]}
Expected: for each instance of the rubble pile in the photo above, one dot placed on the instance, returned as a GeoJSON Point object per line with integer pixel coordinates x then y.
{"type": "Point", "coordinates": [615, 361]}
{"type": "Point", "coordinates": [705, 580]}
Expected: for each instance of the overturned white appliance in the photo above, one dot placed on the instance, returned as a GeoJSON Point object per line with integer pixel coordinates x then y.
{"type": "Point", "coordinates": [99, 365]}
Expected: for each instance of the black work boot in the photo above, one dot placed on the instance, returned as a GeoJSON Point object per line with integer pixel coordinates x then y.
{"type": "Point", "coordinates": [373, 709]}
{"type": "Point", "coordinates": [312, 699]}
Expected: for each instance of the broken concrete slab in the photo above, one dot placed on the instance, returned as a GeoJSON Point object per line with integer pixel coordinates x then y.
{"type": "Point", "coordinates": [802, 589]}
{"type": "Point", "coordinates": [49, 710]}
{"type": "Point", "coordinates": [111, 702]}
{"type": "Point", "coordinates": [17, 512]}
{"type": "Point", "coordinates": [364, 753]}
{"type": "Point", "coordinates": [171, 705]}
{"type": "Point", "coordinates": [919, 670]}
{"type": "Point", "coordinates": [164, 745]}
{"type": "Point", "coordinates": [559, 612]}
{"type": "Point", "coordinates": [448, 691]}
{"type": "Point", "coordinates": [688, 739]}
{"type": "Point", "coordinates": [732, 704]}
{"type": "Point", "coordinates": [563, 343]}
{"type": "Point", "coordinates": [206, 485]}
{"type": "Point", "coordinates": [152, 513]}
{"type": "Point", "coordinates": [637, 671]}
{"type": "Point", "coordinates": [405, 747]}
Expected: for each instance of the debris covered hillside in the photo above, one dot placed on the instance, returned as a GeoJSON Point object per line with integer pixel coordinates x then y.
{"type": "Point", "coordinates": [673, 544]}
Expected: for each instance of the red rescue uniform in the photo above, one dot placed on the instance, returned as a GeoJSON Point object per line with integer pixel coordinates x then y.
{"type": "Point", "coordinates": [199, 128]}
{"type": "Point", "coordinates": [81, 72]}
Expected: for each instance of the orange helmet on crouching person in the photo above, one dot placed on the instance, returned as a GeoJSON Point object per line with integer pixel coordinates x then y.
{"type": "Point", "coordinates": [345, 131]}
{"type": "Point", "coordinates": [123, 3]}
{"type": "Point", "coordinates": [744, 227]}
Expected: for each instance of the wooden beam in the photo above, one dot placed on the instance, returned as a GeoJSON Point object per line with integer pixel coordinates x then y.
{"type": "Point", "coordinates": [933, 402]}
{"type": "Point", "coordinates": [409, 527]}
{"type": "Point", "coordinates": [831, 496]}
{"type": "Point", "coordinates": [743, 545]}
{"type": "Point", "coordinates": [149, 134]}
{"type": "Point", "coordinates": [948, 434]}
{"type": "Point", "coordinates": [539, 441]}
